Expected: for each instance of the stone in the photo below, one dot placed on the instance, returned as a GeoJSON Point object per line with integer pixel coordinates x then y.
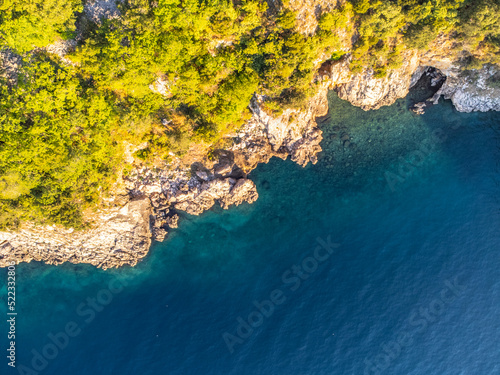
{"type": "Point", "coordinates": [126, 229]}
{"type": "Point", "coordinates": [203, 175]}
{"type": "Point", "coordinates": [368, 92]}
{"type": "Point", "coordinates": [172, 221]}
{"type": "Point", "coordinates": [223, 169]}
{"type": "Point", "coordinates": [469, 91]}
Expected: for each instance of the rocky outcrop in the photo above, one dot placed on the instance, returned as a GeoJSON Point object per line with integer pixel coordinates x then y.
{"type": "Point", "coordinates": [121, 236]}
{"type": "Point", "coordinates": [10, 63]}
{"type": "Point", "coordinates": [99, 10]}
{"type": "Point", "coordinates": [469, 90]}
{"type": "Point", "coordinates": [227, 191]}
{"type": "Point", "coordinates": [294, 133]}
{"type": "Point", "coordinates": [473, 90]}
{"type": "Point", "coordinates": [368, 92]}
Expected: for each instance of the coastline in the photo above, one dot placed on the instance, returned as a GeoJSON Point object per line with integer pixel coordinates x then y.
{"type": "Point", "coordinates": [123, 235]}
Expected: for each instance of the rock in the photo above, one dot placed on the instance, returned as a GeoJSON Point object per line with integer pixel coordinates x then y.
{"type": "Point", "coordinates": [227, 191]}
{"type": "Point", "coordinates": [368, 92]}
{"type": "Point", "coordinates": [153, 188]}
{"type": "Point", "coordinates": [293, 133]}
{"type": "Point", "coordinates": [244, 190]}
{"type": "Point", "coordinates": [418, 108]}
{"type": "Point", "coordinates": [121, 237]}
{"type": "Point", "coordinates": [10, 62]}
{"type": "Point", "coordinates": [223, 169]}
{"type": "Point", "coordinates": [470, 90]}
{"type": "Point", "coordinates": [172, 221]}
{"type": "Point", "coordinates": [203, 175]}
{"type": "Point", "coordinates": [159, 234]}
{"type": "Point", "coordinates": [163, 87]}
{"type": "Point", "coordinates": [98, 10]}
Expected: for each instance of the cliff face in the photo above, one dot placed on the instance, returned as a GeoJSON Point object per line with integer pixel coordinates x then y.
{"type": "Point", "coordinates": [472, 90]}
{"type": "Point", "coordinates": [366, 91]}
{"type": "Point", "coordinates": [293, 133]}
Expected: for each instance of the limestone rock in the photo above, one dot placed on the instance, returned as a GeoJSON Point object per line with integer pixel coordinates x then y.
{"type": "Point", "coordinates": [244, 190]}
{"type": "Point", "coordinates": [472, 90]}
{"type": "Point", "coordinates": [203, 175]}
{"type": "Point", "coordinates": [121, 237]}
{"type": "Point", "coordinates": [294, 133]}
{"type": "Point", "coordinates": [99, 10]}
{"type": "Point", "coordinates": [227, 191]}
{"type": "Point", "coordinates": [10, 63]}
{"type": "Point", "coordinates": [223, 169]}
{"type": "Point", "coordinates": [368, 92]}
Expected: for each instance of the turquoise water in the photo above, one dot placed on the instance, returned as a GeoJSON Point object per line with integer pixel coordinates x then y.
{"type": "Point", "coordinates": [381, 258]}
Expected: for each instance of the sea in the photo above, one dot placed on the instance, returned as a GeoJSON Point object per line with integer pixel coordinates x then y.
{"type": "Point", "coordinates": [382, 258]}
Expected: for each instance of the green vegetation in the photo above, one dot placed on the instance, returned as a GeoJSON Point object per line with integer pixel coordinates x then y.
{"type": "Point", "coordinates": [173, 72]}
{"type": "Point", "coordinates": [59, 144]}
{"type": "Point", "coordinates": [27, 24]}
{"type": "Point", "coordinates": [386, 28]}
{"type": "Point", "coordinates": [479, 31]}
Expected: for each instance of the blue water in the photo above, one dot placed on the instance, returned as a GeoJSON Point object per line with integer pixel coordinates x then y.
{"type": "Point", "coordinates": [407, 283]}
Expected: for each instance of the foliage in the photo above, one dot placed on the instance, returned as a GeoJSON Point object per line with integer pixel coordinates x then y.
{"type": "Point", "coordinates": [26, 24]}
{"type": "Point", "coordinates": [57, 144]}
{"type": "Point", "coordinates": [479, 31]}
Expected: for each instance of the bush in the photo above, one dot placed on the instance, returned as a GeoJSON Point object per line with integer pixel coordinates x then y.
{"type": "Point", "coordinates": [57, 146]}
{"type": "Point", "coordinates": [26, 24]}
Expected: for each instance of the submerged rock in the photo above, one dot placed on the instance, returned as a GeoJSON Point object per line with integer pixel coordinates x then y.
{"type": "Point", "coordinates": [418, 108]}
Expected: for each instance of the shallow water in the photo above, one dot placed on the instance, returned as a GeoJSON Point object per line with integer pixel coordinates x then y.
{"type": "Point", "coordinates": [407, 280]}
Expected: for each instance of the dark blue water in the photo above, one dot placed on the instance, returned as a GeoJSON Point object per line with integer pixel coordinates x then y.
{"type": "Point", "coordinates": [382, 258]}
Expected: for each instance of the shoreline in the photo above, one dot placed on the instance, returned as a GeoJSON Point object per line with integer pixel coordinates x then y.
{"type": "Point", "coordinates": [123, 235]}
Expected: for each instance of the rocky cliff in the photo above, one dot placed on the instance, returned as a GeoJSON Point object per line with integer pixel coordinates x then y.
{"type": "Point", "coordinates": [366, 91]}
{"type": "Point", "coordinates": [473, 90]}
{"type": "Point", "coordinates": [469, 90]}
{"type": "Point", "coordinates": [121, 236]}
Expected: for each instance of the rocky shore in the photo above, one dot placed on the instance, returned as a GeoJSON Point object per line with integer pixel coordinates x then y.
{"type": "Point", "coordinates": [123, 235]}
